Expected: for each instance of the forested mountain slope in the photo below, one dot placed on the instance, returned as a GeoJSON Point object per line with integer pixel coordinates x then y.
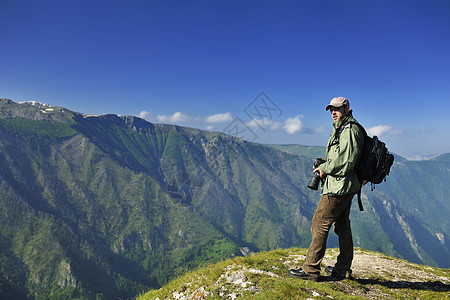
{"type": "Point", "coordinates": [108, 206]}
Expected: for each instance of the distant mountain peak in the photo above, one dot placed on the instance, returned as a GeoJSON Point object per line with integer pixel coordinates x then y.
{"type": "Point", "coordinates": [34, 110]}
{"type": "Point", "coordinates": [6, 101]}
{"type": "Point", "coordinates": [442, 157]}
{"type": "Point", "coordinates": [36, 103]}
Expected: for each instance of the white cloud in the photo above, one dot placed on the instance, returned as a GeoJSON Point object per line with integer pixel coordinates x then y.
{"type": "Point", "coordinates": [177, 117]}
{"type": "Point", "coordinates": [265, 123]}
{"type": "Point", "coordinates": [379, 130]}
{"type": "Point", "coordinates": [144, 114]}
{"type": "Point", "coordinates": [383, 129]}
{"type": "Point", "coordinates": [209, 127]}
{"type": "Point", "coordinates": [397, 131]}
{"type": "Point", "coordinates": [219, 118]}
{"type": "Point", "coordinates": [320, 129]}
{"type": "Point", "coordinates": [274, 125]}
{"type": "Point", "coordinates": [254, 123]}
{"type": "Point", "coordinates": [290, 125]}
{"type": "Point", "coordinates": [293, 125]}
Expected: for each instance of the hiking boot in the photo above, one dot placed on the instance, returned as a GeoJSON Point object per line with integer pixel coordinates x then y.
{"type": "Point", "coordinates": [332, 272]}
{"type": "Point", "coordinates": [299, 273]}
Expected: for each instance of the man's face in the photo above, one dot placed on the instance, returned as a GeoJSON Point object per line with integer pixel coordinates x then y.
{"type": "Point", "coordinates": [337, 113]}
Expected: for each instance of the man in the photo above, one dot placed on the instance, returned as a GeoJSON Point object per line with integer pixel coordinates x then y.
{"type": "Point", "coordinates": [338, 188]}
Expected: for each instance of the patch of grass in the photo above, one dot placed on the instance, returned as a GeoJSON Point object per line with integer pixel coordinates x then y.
{"type": "Point", "coordinates": [356, 285]}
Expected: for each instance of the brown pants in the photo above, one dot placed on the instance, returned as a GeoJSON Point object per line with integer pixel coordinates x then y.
{"type": "Point", "coordinates": [331, 209]}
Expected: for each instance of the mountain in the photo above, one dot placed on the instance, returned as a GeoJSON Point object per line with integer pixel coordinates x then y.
{"type": "Point", "coordinates": [108, 206]}
{"type": "Point", "coordinates": [263, 276]}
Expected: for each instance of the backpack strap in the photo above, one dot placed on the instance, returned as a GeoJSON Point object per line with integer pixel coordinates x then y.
{"type": "Point", "coordinates": [352, 122]}
{"type": "Point", "coordinates": [339, 130]}
{"type": "Point", "coordinates": [338, 134]}
{"type": "Point", "coordinates": [361, 208]}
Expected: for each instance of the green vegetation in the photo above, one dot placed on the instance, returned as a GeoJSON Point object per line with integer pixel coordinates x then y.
{"type": "Point", "coordinates": [30, 129]}
{"type": "Point", "coordinates": [311, 152]}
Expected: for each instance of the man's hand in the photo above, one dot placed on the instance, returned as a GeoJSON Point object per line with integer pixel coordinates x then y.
{"type": "Point", "coordinates": [322, 174]}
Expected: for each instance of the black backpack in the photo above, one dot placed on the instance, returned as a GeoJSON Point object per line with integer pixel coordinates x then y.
{"type": "Point", "coordinates": [374, 163]}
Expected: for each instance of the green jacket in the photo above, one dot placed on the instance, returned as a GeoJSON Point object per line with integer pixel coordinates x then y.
{"type": "Point", "coordinates": [342, 155]}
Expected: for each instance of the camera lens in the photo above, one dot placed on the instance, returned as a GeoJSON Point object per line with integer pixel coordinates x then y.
{"type": "Point", "coordinates": [314, 182]}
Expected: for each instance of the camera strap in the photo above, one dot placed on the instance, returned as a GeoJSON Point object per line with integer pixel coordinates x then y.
{"type": "Point", "coordinates": [337, 134]}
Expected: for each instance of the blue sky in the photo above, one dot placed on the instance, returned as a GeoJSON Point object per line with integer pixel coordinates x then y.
{"type": "Point", "coordinates": [211, 64]}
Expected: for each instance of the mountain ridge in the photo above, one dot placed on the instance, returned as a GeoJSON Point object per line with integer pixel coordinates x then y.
{"type": "Point", "coordinates": [144, 123]}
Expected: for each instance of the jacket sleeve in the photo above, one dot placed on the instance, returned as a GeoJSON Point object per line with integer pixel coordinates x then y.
{"type": "Point", "coordinates": [350, 144]}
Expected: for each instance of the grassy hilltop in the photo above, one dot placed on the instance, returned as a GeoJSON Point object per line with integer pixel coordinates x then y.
{"type": "Point", "coordinates": [263, 276]}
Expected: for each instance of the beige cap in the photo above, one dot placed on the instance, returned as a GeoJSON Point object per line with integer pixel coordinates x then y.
{"type": "Point", "coordinates": [338, 102]}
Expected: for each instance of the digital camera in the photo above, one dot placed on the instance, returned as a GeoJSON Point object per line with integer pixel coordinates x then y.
{"type": "Point", "coordinates": [315, 179]}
